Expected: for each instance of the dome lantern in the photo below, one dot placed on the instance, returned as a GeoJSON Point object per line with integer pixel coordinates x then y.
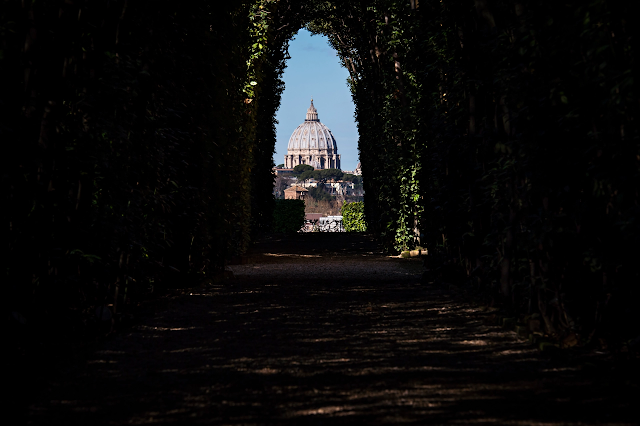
{"type": "Point", "coordinates": [312, 113]}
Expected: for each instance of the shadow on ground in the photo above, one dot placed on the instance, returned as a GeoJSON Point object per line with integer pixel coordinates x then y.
{"type": "Point", "coordinates": [327, 330]}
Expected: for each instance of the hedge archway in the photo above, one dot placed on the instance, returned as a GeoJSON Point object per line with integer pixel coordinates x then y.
{"type": "Point", "coordinates": [501, 135]}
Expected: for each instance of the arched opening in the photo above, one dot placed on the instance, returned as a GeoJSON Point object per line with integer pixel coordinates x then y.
{"type": "Point", "coordinates": [475, 139]}
{"type": "Point", "coordinates": [327, 132]}
{"type": "Point", "coordinates": [313, 67]}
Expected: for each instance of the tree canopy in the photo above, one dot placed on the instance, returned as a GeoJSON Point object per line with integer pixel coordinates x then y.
{"type": "Point", "coordinates": [301, 168]}
{"type": "Point", "coordinates": [323, 174]}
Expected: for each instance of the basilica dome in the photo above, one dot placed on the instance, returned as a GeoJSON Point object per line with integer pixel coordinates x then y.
{"type": "Point", "coordinates": [312, 143]}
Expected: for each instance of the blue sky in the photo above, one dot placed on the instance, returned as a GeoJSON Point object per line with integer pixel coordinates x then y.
{"type": "Point", "coordinates": [314, 71]}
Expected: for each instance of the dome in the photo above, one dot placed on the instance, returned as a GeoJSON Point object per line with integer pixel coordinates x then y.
{"type": "Point", "coordinates": [312, 143]}
{"type": "Point", "coordinates": [312, 135]}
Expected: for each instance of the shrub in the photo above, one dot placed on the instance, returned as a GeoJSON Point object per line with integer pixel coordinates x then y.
{"type": "Point", "coordinates": [288, 216]}
{"type": "Point", "coordinates": [353, 217]}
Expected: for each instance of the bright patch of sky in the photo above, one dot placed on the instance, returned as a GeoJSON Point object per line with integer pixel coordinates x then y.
{"type": "Point", "coordinates": [314, 71]}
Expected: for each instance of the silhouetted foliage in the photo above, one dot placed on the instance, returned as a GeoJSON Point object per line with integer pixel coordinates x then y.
{"type": "Point", "coordinates": [500, 135]}
{"type": "Point", "coordinates": [288, 216]}
{"type": "Point", "coordinates": [137, 156]}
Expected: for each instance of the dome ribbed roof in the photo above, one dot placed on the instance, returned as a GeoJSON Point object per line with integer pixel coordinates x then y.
{"type": "Point", "coordinates": [312, 134]}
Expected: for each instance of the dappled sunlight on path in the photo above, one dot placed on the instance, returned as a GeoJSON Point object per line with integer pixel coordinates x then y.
{"type": "Point", "coordinates": [348, 337]}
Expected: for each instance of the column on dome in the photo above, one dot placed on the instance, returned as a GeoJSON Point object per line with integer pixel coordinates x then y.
{"type": "Point", "coordinates": [335, 161]}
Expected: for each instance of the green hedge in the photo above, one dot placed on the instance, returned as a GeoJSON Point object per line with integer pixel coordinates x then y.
{"type": "Point", "coordinates": [504, 139]}
{"type": "Point", "coordinates": [353, 217]}
{"type": "Point", "coordinates": [157, 181]}
{"type": "Point", "coordinates": [288, 216]}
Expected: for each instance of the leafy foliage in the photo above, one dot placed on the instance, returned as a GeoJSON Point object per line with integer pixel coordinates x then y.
{"type": "Point", "coordinates": [288, 216]}
{"type": "Point", "coordinates": [302, 168]}
{"type": "Point", "coordinates": [141, 138]}
{"type": "Point", "coordinates": [319, 193]}
{"type": "Point", "coordinates": [324, 174]}
{"type": "Point", "coordinates": [347, 177]}
{"type": "Point", "coordinates": [353, 217]}
{"type": "Point", "coordinates": [503, 136]}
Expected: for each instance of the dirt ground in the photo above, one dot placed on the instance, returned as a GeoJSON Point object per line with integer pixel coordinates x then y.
{"type": "Point", "coordinates": [323, 329]}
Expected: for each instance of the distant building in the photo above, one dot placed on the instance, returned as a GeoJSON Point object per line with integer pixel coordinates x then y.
{"type": "Point", "coordinates": [311, 183]}
{"type": "Point", "coordinates": [312, 143]}
{"type": "Point", "coordinates": [356, 172]}
{"type": "Point", "coordinates": [295, 193]}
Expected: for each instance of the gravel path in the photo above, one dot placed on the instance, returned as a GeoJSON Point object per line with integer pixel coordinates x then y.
{"type": "Point", "coordinates": [325, 330]}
